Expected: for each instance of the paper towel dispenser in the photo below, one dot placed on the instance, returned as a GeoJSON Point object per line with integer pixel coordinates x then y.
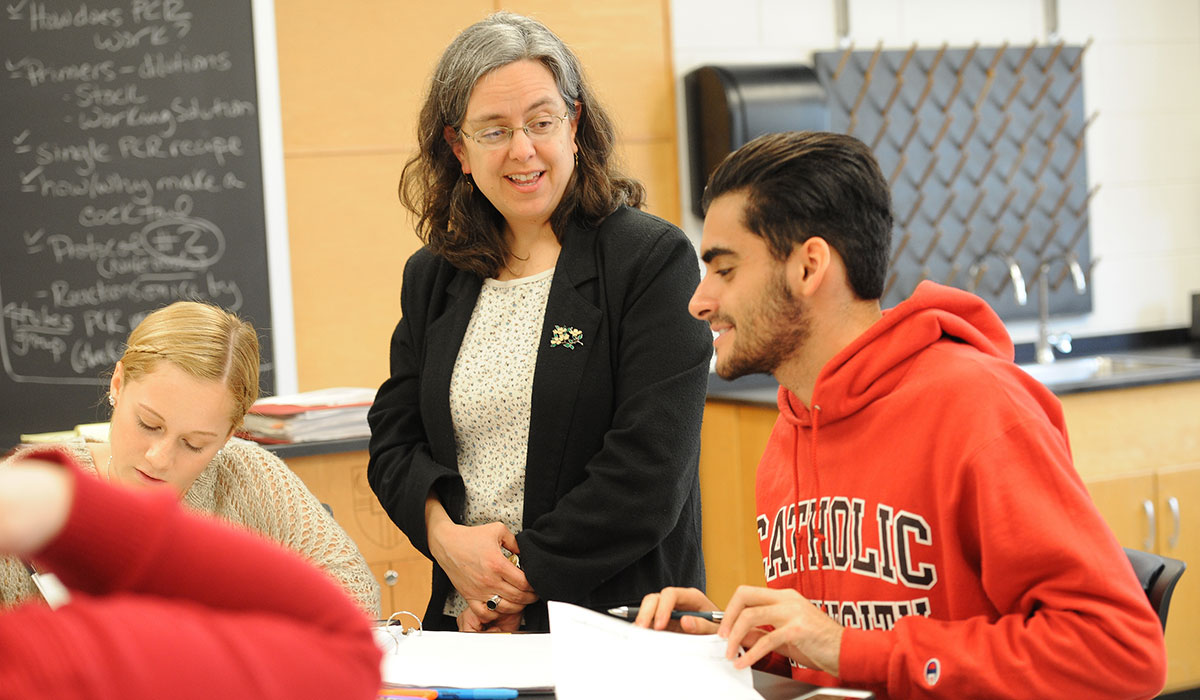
{"type": "Point", "coordinates": [730, 105]}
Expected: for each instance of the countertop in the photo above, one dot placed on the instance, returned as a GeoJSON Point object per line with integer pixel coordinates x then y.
{"type": "Point", "coordinates": [760, 389]}
{"type": "Point", "coordinates": [1174, 344]}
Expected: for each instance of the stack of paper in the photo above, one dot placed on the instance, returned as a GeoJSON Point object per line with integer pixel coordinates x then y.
{"type": "Point", "coordinates": [598, 657]}
{"type": "Point", "coordinates": [326, 414]}
{"type": "Point", "coordinates": [587, 656]}
{"type": "Point", "coordinates": [459, 660]}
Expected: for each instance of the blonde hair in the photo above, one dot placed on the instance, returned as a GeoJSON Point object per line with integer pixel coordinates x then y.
{"type": "Point", "coordinates": [204, 341]}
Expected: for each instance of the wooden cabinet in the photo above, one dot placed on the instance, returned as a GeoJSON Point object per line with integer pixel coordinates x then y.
{"type": "Point", "coordinates": [1138, 451]}
{"type": "Point", "coordinates": [340, 480]}
{"type": "Point", "coordinates": [732, 439]}
{"type": "Point", "coordinates": [1158, 512]}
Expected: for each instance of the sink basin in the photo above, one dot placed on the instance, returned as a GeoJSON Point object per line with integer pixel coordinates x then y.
{"type": "Point", "coordinates": [1103, 370]}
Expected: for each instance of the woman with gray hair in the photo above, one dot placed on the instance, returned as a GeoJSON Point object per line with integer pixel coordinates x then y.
{"type": "Point", "coordinates": [538, 438]}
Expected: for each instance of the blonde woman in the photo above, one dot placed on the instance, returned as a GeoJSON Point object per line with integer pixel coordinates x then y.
{"type": "Point", "coordinates": [187, 377]}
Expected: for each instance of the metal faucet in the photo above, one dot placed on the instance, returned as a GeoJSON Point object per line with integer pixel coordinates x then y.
{"type": "Point", "coordinates": [979, 268]}
{"type": "Point", "coordinates": [1046, 341]}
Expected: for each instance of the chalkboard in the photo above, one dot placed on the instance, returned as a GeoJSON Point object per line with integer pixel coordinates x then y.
{"type": "Point", "coordinates": [133, 160]}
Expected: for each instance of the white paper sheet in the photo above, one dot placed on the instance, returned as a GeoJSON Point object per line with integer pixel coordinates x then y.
{"type": "Point", "coordinates": [597, 656]}
{"type": "Point", "coordinates": [457, 660]}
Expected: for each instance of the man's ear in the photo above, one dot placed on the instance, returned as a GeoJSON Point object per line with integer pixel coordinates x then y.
{"type": "Point", "coordinates": [808, 266]}
{"type": "Point", "coordinates": [451, 135]}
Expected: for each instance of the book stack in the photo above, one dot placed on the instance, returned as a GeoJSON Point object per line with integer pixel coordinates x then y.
{"type": "Point", "coordinates": [90, 432]}
{"type": "Point", "coordinates": [338, 413]}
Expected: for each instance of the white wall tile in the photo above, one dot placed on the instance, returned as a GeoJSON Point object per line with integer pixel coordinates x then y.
{"type": "Point", "coordinates": [715, 23]}
{"type": "Point", "coordinates": [792, 24]}
{"type": "Point", "coordinates": [872, 21]}
{"type": "Point", "coordinates": [1124, 20]}
{"type": "Point", "coordinates": [1142, 77]}
{"type": "Point", "coordinates": [1152, 148]}
{"type": "Point", "coordinates": [963, 22]}
{"type": "Point", "coordinates": [1145, 291]}
{"type": "Point", "coordinates": [1157, 219]}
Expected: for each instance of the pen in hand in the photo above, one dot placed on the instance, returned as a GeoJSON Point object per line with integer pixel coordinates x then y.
{"type": "Point", "coordinates": [627, 612]}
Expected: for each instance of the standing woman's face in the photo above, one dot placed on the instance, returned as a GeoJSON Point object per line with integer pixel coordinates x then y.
{"type": "Point", "coordinates": [166, 426]}
{"type": "Point", "coordinates": [526, 177]}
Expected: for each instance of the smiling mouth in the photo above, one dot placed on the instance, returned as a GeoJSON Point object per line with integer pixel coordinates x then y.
{"type": "Point", "coordinates": [525, 178]}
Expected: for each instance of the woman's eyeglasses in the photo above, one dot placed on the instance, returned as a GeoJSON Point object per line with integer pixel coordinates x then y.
{"type": "Point", "coordinates": [498, 136]}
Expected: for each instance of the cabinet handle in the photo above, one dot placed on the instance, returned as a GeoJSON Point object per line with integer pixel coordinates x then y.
{"type": "Point", "coordinates": [390, 577]}
{"type": "Point", "coordinates": [1173, 504]}
{"type": "Point", "coordinates": [1148, 507]}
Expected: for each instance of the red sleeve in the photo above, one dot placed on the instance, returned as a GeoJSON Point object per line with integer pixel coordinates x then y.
{"type": "Point", "coordinates": [1071, 619]}
{"type": "Point", "coordinates": [166, 603]}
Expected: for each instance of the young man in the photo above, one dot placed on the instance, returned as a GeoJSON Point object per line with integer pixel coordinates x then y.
{"type": "Point", "coordinates": [924, 532]}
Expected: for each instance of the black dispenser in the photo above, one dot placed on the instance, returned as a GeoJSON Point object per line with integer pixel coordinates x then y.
{"type": "Point", "coordinates": [730, 105]}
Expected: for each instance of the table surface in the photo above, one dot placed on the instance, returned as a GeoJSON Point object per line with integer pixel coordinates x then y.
{"type": "Point", "coordinates": [769, 685]}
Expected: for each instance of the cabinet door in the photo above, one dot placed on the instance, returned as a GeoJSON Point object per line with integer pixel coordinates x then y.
{"type": "Point", "coordinates": [1127, 504]}
{"type": "Point", "coordinates": [732, 439]}
{"type": "Point", "coordinates": [1179, 537]}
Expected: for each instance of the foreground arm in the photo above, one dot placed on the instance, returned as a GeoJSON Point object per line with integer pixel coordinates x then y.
{"type": "Point", "coordinates": [165, 603]}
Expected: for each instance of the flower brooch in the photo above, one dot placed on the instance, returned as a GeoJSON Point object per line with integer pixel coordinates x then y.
{"type": "Point", "coordinates": [567, 337]}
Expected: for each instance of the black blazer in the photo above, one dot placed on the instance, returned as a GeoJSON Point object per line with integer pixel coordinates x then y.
{"type": "Point", "coordinates": [612, 493]}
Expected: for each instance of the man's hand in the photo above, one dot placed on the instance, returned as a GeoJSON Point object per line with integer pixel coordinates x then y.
{"type": "Point", "coordinates": [763, 620]}
{"type": "Point", "coordinates": [655, 611]}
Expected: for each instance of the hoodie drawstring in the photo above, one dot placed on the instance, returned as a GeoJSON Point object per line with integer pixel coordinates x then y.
{"type": "Point", "coordinates": [818, 522]}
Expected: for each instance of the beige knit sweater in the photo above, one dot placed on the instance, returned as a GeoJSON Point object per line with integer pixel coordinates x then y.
{"type": "Point", "coordinates": [247, 485]}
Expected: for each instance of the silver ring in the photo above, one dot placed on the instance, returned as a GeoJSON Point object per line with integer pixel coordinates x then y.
{"type": "Point", "coordinates": [493, 602]}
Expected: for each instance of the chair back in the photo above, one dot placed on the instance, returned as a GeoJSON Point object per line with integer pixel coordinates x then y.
{"type": "Point", "coordinates": [1158, 576]}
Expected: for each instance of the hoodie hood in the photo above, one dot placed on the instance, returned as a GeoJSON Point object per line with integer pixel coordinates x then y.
{"type": "Point", "coordinates": [877, 360]}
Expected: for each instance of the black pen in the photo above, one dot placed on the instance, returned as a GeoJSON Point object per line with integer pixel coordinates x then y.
{"type": "Point", "coordinates": [631, 612]}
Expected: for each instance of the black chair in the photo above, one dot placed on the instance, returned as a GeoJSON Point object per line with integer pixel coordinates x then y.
{"type": "Point", "coordinates": [1158, 576]}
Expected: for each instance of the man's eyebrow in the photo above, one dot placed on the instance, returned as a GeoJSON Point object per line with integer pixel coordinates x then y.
{"type": "Point", "coordinates": [715, 252]}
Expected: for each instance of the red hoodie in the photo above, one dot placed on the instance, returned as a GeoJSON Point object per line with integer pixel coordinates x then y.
{"type": "Point", "coordinates": [169, 604]}
{"type": "Point", "coordinates": [931, 499]}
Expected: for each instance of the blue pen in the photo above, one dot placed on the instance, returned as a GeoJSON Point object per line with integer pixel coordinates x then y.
{"type": "Point", "coordinates": [476, 693]}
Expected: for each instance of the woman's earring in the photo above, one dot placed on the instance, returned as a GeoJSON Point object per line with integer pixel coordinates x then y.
{"type": "Point", "coordinates": [112, 401]}
{"type": "Point", "coordinates": [470, 184]}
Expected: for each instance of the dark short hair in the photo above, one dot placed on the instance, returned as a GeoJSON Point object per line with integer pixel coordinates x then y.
{"type": "Point", "coordinates": [801, 184]}
{"type": "Point", "coordinates": [454, 219]}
